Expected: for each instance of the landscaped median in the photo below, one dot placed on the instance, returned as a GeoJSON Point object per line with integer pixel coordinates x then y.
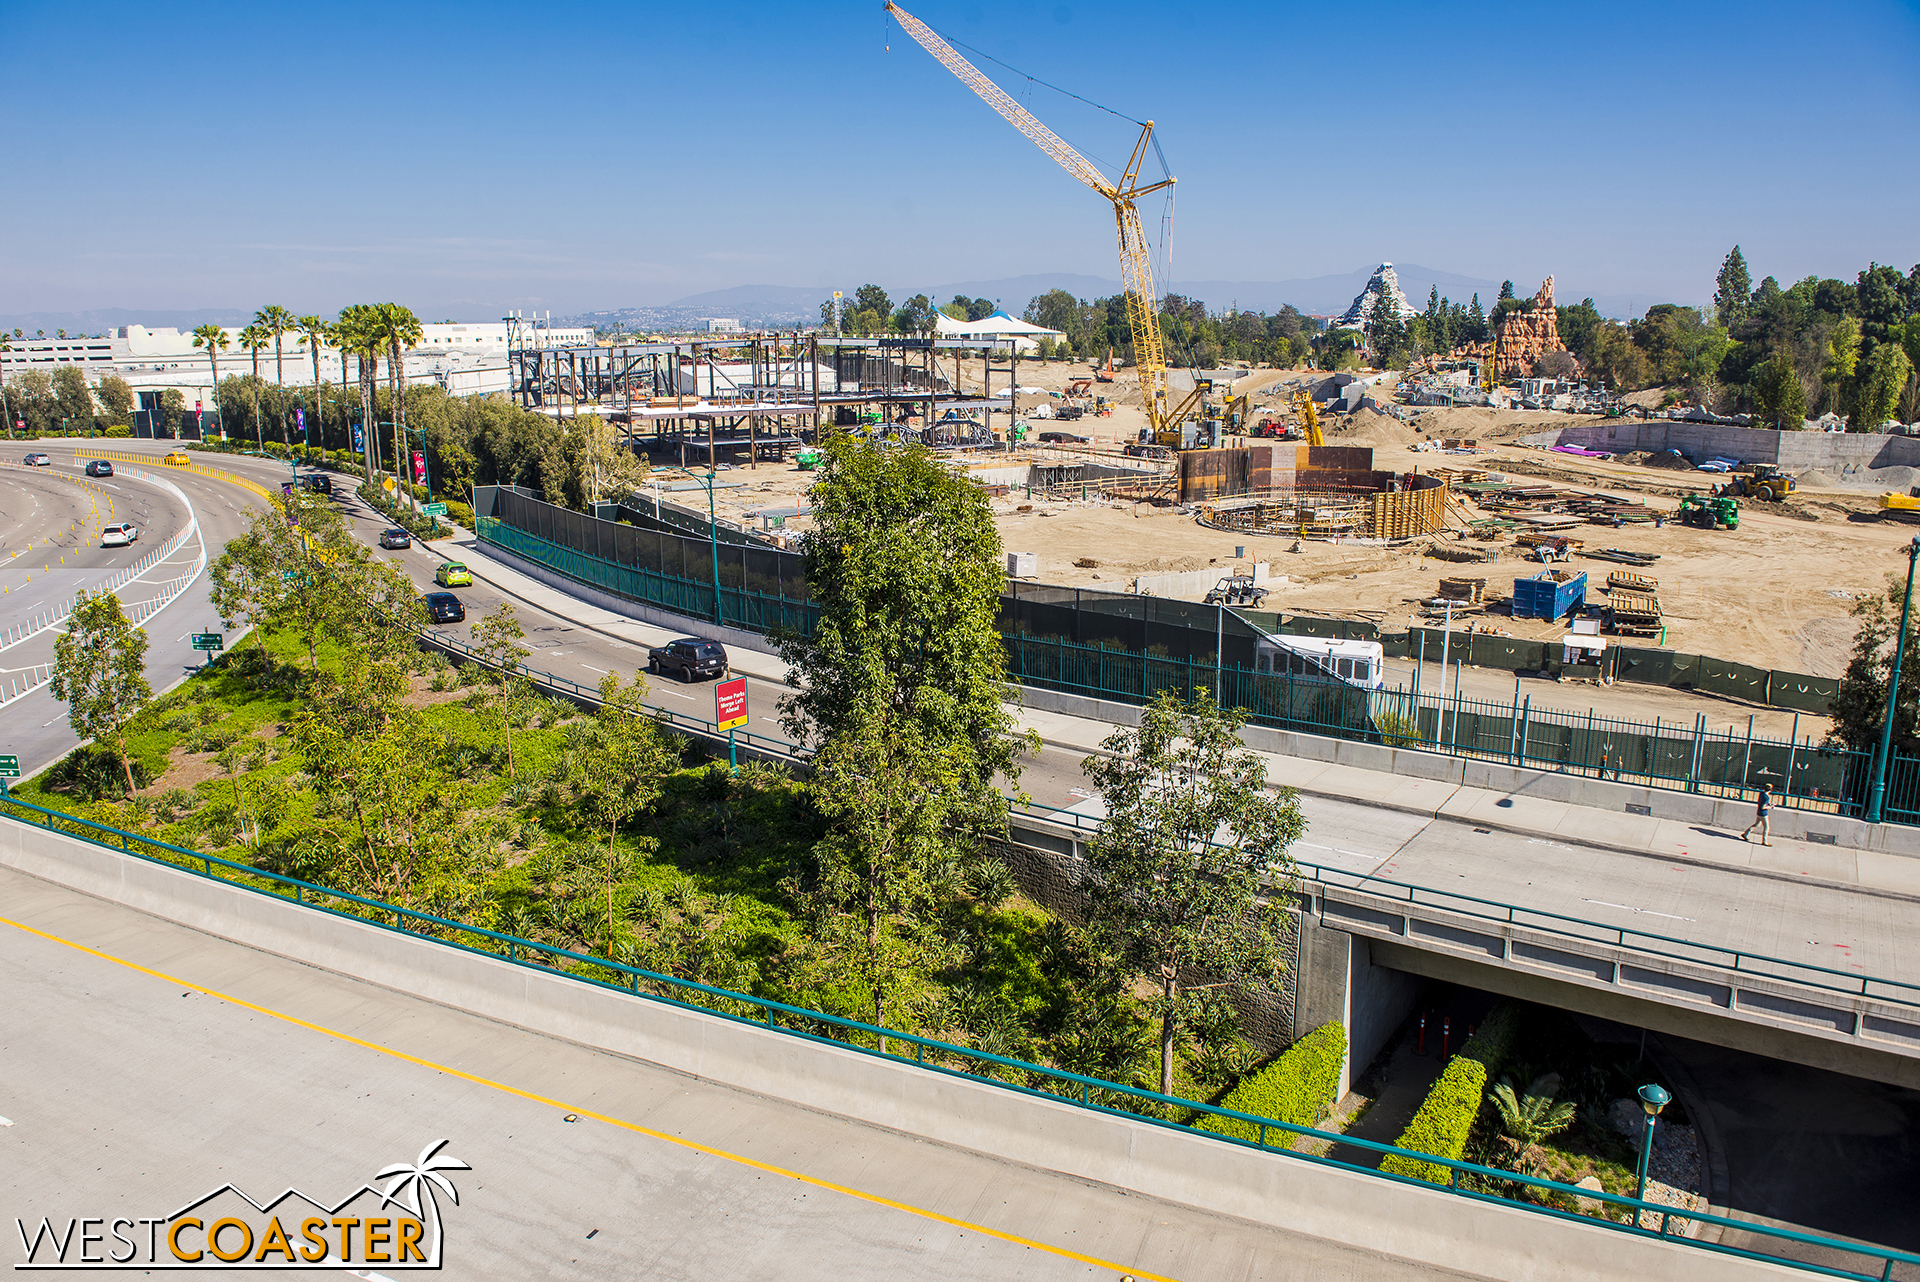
{"type": "Point", "coordinates": [1298, 1088]}
{"type": "Point", "coordinates": [1445, 1120]}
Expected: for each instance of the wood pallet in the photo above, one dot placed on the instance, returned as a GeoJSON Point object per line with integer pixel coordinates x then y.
{"type": "Point", "coordinates": [1463, 589]}
{"type": "Point", "coordinates": [1628, 581]}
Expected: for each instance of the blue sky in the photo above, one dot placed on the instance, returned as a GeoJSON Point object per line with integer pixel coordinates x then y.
{"type": "Point", "coordinates": [473, 157]}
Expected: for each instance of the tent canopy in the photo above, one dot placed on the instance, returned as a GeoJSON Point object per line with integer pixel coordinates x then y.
{"type": "Point", "coordinates": [998, 325]}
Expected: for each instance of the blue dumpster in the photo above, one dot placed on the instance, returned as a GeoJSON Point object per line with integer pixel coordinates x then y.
{"type": "Point", "coordinates": [1546, 597]}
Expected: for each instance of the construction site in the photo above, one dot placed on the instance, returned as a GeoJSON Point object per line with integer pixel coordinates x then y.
{"type": "Point", "coordinates": [1366, 504]}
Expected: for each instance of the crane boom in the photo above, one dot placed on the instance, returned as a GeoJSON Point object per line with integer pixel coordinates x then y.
{"type": "Point", "coordinates": [1136, 270]}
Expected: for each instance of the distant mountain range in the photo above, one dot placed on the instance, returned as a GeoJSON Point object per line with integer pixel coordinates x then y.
{"type": "Point", "coordinates": [1317, 295]}
{"type": "Point", "coordinates": [790, 305]}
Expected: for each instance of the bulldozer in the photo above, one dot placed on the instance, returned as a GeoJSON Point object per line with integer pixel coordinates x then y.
{"type": "Point", "coordinates": [1716, 512]}
{"type": "Point", "coordinates": [1762, 481]}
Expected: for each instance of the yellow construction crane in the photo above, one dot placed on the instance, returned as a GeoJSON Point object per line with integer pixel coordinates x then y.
{"type": "Point", "coordinates": [1136, 273]}
{"type": "Point", "coordinates": [1309, 417]}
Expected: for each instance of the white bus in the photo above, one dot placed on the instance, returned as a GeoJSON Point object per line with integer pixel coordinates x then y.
{"type": "Point", "coordinates": [1355, 663]}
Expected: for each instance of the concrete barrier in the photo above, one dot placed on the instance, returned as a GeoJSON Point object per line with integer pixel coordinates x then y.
{"type": "Point", "coordinates": [1291, 1193]}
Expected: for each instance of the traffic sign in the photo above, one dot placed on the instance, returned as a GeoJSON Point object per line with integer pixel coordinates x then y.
{"type": "Point", "coordinates": [209, 641]}
{"type": "Point", "coordinates": [435, 509]}
{"type": "Point", "coordinates": [9, 767]}
{"type": "Point", "coordinates": [730, 703]}
{"type": "Point", "coordinates": [387, 485]}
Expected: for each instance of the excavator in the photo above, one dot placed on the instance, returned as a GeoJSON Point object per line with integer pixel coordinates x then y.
{"type": "Point", "coordinates": [1165, 421]}
{"type": "Point", "coordinates": [1309, 417]}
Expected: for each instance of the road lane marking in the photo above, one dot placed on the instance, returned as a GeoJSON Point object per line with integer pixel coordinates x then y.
{"type": "Point", "coordinates": [590, 668]}
{"type": "Point", "coordinates": [1601, 903]}
{"type": "Point", "coordinates": [663, 1137]}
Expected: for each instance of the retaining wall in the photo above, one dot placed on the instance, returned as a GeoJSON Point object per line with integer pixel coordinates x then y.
{"type": "Point", "coordinates": [1795, 451]}
{"type": "Point", "coordinates": [1291, 1193]}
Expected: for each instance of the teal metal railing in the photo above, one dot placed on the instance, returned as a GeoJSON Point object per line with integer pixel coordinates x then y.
{"type": "Point", "coordinates": [932, 1055]}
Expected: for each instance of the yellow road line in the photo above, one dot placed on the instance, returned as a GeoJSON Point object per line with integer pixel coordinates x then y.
{"type": "Point", "coordinates": [192, 469]}
{"type": "Point", "coordinates": [675, 1140]}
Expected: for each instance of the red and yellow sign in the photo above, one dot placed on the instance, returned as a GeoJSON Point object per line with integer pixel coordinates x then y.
{"type": "Point", "coordinates": [730, 704]}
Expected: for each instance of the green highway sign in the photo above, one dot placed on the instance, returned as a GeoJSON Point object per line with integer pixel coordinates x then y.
{"type": "Point", "coordinates": [209, 641]}
{"type": "Point", "coordinates": [9, 767]}
{"type": "Point", "coordinates": [435, 509]}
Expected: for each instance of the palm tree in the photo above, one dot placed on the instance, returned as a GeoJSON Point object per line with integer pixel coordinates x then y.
{"type": "Point", "coordinates": [254, 338]}
{"type": "Point", "coordinates": [277, 320]}
{"type": "Point", "coordinates": [315, 333]}
{"type": "Point", "coordinates": [6, 404]}
{"type": "Point", "coordinates": [214, 339]}
{"type": "Point", "coordinates": [1529, 1120]}
{"type": "Point", "coordinates": [400, 329]}
{"type": "Point", "coordinates": [413, 1184]}
{"type": "Point", "coordinates": [357, 332]}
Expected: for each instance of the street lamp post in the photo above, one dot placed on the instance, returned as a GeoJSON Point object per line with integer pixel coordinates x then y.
{"type": "Point", "coordinates": [1878, 795]}
{"type": "Point", "coordinates": [713, 535]}
{"type": "Point", "coordinates": [1653, 1098]}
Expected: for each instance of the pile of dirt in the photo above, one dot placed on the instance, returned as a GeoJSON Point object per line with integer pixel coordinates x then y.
{"type": "Point", "coordinates": [1672, 460]}
{"type": "Point", "coordinates": [1900, 479]}
{"type": "Point", "coordinates": [1817, 480]}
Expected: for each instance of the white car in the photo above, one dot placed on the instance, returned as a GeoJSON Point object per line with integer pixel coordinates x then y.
{"type": "Point", "coordinates": [118, 536]}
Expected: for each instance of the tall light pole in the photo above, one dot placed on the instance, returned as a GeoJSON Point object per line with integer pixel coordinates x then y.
{"type": "Point", "coordinates": [1878, 795]}
{"type": "Point", "coordinates": [713, 533]}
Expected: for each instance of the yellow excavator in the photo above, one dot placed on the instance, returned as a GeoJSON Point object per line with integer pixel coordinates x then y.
{"type": "Point", "coordinates": [1136, 274]}
{"type": "Point", "coordinates": [1309, 417]}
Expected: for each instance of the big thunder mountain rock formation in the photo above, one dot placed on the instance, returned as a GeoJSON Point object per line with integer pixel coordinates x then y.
{"type": "Point", "coordinates": [1522, 337]}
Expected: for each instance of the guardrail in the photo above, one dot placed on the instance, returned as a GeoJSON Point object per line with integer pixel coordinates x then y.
{"type": "Point", "coordinates": [1651, 943]}
{"type": "Point", "coordinates": [1464, 1179]}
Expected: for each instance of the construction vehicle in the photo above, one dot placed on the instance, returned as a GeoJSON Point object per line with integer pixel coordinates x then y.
{"type": "Point", "coordinates": [1761, 481]}
{"type": "Point", "coordinates": [1104, 374]}
{"type": "Point", "coordinates": [1901, 507]}
{"type": "Point", "coordinates": [1718, 512]}
{"type": "Point", "coordinates": [1136, 272]}
{"type": "Point", "coordinates": [1309, 417]}
{"type": "Point", "coordinates": [1236, 589]}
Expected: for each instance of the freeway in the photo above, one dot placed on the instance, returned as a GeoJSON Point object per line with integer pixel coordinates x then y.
{"type": "Point", "coordinates": [1795, 913]}
{"type": "Point", "coordinates": [144, 1063]}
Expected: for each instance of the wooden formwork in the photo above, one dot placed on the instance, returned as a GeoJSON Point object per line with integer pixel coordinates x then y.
{"type": "Point", "coordinates": [1409, 514]}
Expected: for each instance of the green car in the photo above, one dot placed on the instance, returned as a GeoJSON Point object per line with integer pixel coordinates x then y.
{"type": "Point", "coordinates": [453, 575]}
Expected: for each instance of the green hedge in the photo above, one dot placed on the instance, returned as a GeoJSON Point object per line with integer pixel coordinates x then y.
{"type": "Point", "coordinates": [1446, 1116]}
{"type": "Point", "coordinates": [1441, 1125]}
{"type": "Point", "coordinates": [461, 514]}
{"type": "Point", "coordinates": [1298, 1087]}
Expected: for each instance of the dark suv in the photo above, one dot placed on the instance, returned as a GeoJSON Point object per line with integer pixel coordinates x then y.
{"type": "Point", "coordinates": [445, 607]}
{"type": "Point", "coordinates": [691, 658]}
{"type": "Point", "coordinates": [318, 483]}
{"type": "Point", "coordinates": [99, 467]}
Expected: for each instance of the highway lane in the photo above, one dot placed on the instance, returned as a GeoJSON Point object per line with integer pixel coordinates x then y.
{"type": "Point", "coordinates": [131, 1091]}
{"type": "Point", "coordinates": [1847, 930]}
{"type": "Point", "coordinates": [50, 523]}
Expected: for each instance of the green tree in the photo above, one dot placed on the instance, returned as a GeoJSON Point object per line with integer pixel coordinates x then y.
{"type": "Point", "coordinates": [1182, 874]}
{"type": "Point", "coordinates": [1860, 703]}
{"type": "Point", "coordinates": [1577, 323]}
{"type": "Point", "coordinates": [116, 400]}
{"type": "Point", "coordinates": [255, 339]}
{"type": "Point", "coordinates": [173, 408]}
{"type": "Point", "coordinates": [1387, 332]}
{"type": "Point", "coordinates": [358, 332]}
{"type": "Point", "coordinates": [1733, 290]}
{"type": "Point", "coordinates": [872, 298]}
{"type": "Point", "coordinates": [1506, 291]}
{"type": "Point", "coordinates": [915, 315]}
{"type": "Point", "coordinates": [496, 639]}
{"type": "Point", "coordinates": [1528, 1121]}
{"type": "Point", "coordinates": [893, 801]}
{"type": "Point", "coordinates": [31, 395]}
{"type": "Point", "coordinates": [73, 399]}
{"type": "Point", "coordinates": [100, 673]}
{"type": "Point", "coordinates": [280, 574]}
{"type": "Point", "coordinates": [614, 763]}
{"type": "Point", "coordinates": [1881, 382]}
{"type": "Point", "coordinates": [1842, 360]}
{"type": "Point", "coordinates": [1779, 398]}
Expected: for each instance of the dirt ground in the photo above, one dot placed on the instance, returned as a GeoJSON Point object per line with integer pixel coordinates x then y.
{"type": "Point", "coordinates": [1775, 593]}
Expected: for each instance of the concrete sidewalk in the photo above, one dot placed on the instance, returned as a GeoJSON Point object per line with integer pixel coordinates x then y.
{"type": "Point", "coordinates": [1649, 835]}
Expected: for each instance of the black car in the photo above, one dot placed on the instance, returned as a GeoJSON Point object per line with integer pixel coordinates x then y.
{"type": "Point", "coordinates": [1062, 438]}
{"type": "Point", "coordinates": [317, 484]}
{"type": "Point", "coordinates": [99, 467]}
{"type": "Point", "coordinates": [691, 658]}
{"type": "Point", "coordinates": [445, 607]}
{"type": "Point", "coordinates": [396, 538]}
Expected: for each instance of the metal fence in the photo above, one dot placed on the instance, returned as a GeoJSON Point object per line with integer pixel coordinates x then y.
{"type": "Point", "coordinates": [1129, 649]}
{"type": "Point", "coordinates": [1275, 1138]}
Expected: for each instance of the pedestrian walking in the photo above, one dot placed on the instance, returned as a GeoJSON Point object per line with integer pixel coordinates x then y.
{"type": "Point", "coordinates": [1762, 812]}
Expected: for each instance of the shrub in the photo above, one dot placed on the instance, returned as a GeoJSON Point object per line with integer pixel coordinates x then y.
{"type": "Point", "coordinates": [117, 430]}
{"type": "Point", "coordinates": [1297, 1088]}
{"type": "Point", "coordinates": [460, 514]}
{"type": "Point", "coordinates": [1442, 1124]}
{"type": "Point", "coordinates": [1446, 1116]}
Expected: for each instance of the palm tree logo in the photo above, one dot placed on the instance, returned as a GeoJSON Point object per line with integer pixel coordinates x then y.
{"type": "Point", "coordinates": [413, 1184]}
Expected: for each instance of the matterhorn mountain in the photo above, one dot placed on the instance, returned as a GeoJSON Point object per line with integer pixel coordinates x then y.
{"type": "Point", "coordinates": [1382, 284]}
